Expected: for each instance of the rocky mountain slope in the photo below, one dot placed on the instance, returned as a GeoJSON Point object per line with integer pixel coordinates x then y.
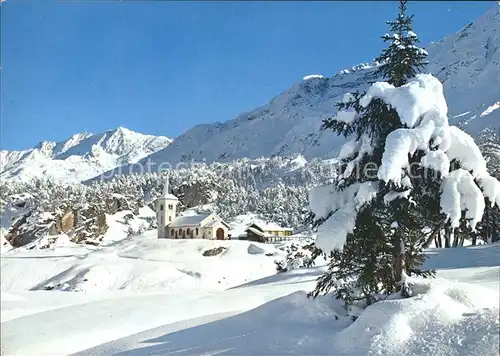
{"type": "Point", "coordinates": [80, 157]}
{"type": "Point", "coordinates": [467, 62]}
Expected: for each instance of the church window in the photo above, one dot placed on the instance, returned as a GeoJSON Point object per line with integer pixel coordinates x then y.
{"type": "Point", "coordinates": [196, 231]}
{"type": "Point", "coordinates": [170, 218]}
{"type": "Point", "coordinates": [161, 206]}
{"type": "Point", "coordinates": [188, 231]}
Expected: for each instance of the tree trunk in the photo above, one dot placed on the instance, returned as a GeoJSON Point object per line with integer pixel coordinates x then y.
{"type": "Point", "coordinates": [455, 240]}
{"type": "Point", "coordinates": [462, 240]}
{"type": "Point", "coordinates": [486, 223]}
{"type": "Point", "coordinates": [495, 227]}
{"type": "Point", "coordinates": [447, 234]}
{"type": "Point", "coordinates": [400, 262]}
{"type": "Point", "coordinates": [474, 240]}
{"type": "Point", "coordinates": [436, 232]}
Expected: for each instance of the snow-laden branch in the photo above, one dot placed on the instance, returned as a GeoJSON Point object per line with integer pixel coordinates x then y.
{"type": "Point", "coordinates": [491, 189]}
{"type": "Point", "coordinates": [345, 205]}
{"type": "Point", "coordinates": [422, 95]}
{"type": "Point", "coordinates": [365, 147]}
{"type": "Point", "coordinates": [421, 106]}
{"type": "Point", "coordinates": [438, 161]}
{"type": "Point", "coordinates": [391, 196]}
{"type": "Point", "coordinates": [464, 150]}
{"type": "Point", "coordinates": [398, 145]}
{"type": "Point", "coordinates": [346, 116]}
{"type": "Point", "coordinates": [459, 193]}
{"type": "Point", "coordinates": [349, 148]}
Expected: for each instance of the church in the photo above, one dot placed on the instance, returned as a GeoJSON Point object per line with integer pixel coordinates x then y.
{"type": "Point", "coordinates": [195, 226]}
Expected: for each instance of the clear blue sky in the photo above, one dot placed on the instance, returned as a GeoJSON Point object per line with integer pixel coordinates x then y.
{"type": "Point", "coordinates": [162, 67]}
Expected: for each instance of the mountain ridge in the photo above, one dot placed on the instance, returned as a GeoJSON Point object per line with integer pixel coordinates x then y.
{"type": "Point", "coordinates": [80, 157]}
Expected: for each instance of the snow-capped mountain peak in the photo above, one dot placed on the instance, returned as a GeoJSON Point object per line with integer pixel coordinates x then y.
{"type": "Point", "coordinates": [82, 156]}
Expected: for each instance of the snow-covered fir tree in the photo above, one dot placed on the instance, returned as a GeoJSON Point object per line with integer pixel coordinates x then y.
{"type": "Point", "coordinates": [402, 59]}
{"type": "Point", "coordinates": [405, 175]}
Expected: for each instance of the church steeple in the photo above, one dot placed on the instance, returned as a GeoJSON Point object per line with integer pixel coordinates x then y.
{"type": "Point", "coordinates": [166, 209]}
{"type": "Point", "coordinates": [166, 187]}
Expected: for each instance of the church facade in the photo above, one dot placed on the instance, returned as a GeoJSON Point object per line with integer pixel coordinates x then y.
{"type": "Point", "coordinates": [194, 226]}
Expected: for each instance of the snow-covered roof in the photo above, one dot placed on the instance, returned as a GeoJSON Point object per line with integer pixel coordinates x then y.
{"type": "Point", "coordinates": [216, 221]}
{"type": "Point", "coordinates": [169, 196]}
{"type": "Point", "coordinates": [271, 226]}
{"type": "Point", "coordinates": [190, 220]}
{"type": "Point", "coordinates": [257, 232]}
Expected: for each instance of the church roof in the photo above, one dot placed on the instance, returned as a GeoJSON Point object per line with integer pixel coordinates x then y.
{"type": "Point", "coordinates": [191, 220]}
{"type": "Point", "coordinates": [216, 221]}
{"type": "Point", "coordinates": [169, 196]}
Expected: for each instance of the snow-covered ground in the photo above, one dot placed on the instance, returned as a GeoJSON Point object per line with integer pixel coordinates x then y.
{"type": "Point", "coordinates": [142, 264]}
{"type": "Point", "coordinates": [143, 296]}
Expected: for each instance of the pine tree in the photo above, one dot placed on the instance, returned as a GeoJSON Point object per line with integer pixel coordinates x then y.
{"type": "Point", "coordinates": [405, 175]}
{"type": "Point", "coordinates": [402, 60]}
{"type": "Point", "coordinates": [386, 243]}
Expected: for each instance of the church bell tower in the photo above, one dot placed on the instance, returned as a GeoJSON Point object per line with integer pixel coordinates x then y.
{"type": "Point", "coordinates": [166, 210]}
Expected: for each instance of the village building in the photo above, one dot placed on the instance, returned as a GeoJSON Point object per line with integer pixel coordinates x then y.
{"type": "Point", "coordinates": [260, 232]}
{"type": "Point", "coordinates": [194, 226]}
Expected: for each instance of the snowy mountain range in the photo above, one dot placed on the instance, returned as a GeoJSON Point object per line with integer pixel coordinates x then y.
{"type": "Point", "coordinates": [80, 157]}
{"type": "Point", "coordinates": [467, 62]}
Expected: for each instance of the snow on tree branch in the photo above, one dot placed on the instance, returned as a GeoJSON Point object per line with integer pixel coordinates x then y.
{"type": "Point", "coordinates": [464, 150]}
{"type": "Point", "coordinates": [346, 116]}
{"type": "Point", "coordinates": [438, 161]}
{"type": "Point", "coordinates": [460, 192]}
{"type": "Point", "coordinates": [365, 147]}
{"type": "Point", "coordinates": [421, 106]}
{"type": "Point", "coordinates": [399, 144]}
{"type": "Point", "coordinates": [391, 196]}
{"type": "Point", "coordinates": [349, 148]}
{"type": "Point", "coordinates": [422, 109]}
{"type": "Point", "coordinates": [423, 95]}
{"type": "Point", "coordinates": [491, 189]}
{"type": "Point", "coordinates": [345, 205]}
